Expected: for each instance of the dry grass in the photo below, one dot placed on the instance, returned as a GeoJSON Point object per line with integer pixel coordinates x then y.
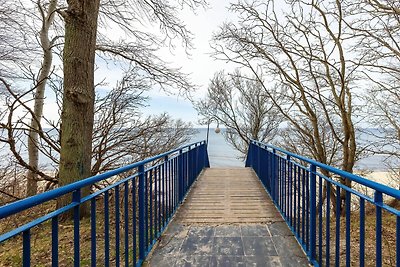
{"type": "Point", "coordinates": [388, 238]}
{"type": "Point", "coordinates": [11, 250]}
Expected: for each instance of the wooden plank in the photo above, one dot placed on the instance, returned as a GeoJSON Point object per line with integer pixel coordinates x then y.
{"type": "Point", "coordinates": [231, 195]}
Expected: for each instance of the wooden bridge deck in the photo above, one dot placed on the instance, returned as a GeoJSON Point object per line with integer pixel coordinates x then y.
{"type": "Point", "coordinates": [228, 196]}
{"type": "Point", "coordinates": [227, 219]}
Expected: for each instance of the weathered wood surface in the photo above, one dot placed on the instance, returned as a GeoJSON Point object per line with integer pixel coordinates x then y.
{"type": "Point", "coordinates": [227, 219]}
{"type": "Point", "coordinates": [230, 195]}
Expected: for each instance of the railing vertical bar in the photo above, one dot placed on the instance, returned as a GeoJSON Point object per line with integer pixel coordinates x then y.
{"type": "Point", "coordinates": [146, 211]}
{"type": "Point", "coordinates": [173, 185]}
{"type": "Point", "coordinates": [117, 233]}
{"type": "Point", "coordinates": [178, 180]}
{"type": "Point", "coordinates": [166, 193]}
{"type": "Point", "coordinates": [269, 174]}
{"type": "Point", "coordinates": [173, 162]}
{"type": "Point", "coordinates": [328, 224]}
{"type": "Point", "coordinates": [285, 175]}
{"type": "Point", "coordinates": [277, 169]}
{"type": "Point", "coordinates": [54, 241]}
{"type": "Point", "coordinates": [93, 232]}
{"type": "Point", "coordinates": [320, 220]}
{"type": "Point", "coordinates": [290, 190]}
{"type": "Point", "coordinates": [180, 175]}
{"type": "Point", "coordinates": [151, 206]}
{"type": "Point", "coordinates": [397, 240]}
{"type": "Point", "coordinates": [313, 216]}
{"type": "Point", "coordinates": [303, 203]}
{"type": "Point", "coordinates": [169, 188]}
{"type": "Point", "coordinates": [281, 170]}
{"type": "Point", "coordinates": [379, 200]}
{"type": "Point", "coordinates": [26, 248]}
{"type": "Point", "coordinates": [281, 174]}
{"type": "Point", "coordinates": [307, 184]}
{"type": "Point", "coordinates": [295, 200]}
{"type": "Point", "coordinates": [156, 203]}
{"type": "Point", "coordinates": [142, 214]}
{"type": "Point", "coordinates": [126, 221]}
{"type": "Point", "coordinates": [159, 197]}
{"type": "Point", "coordinates": [164, 190]}
{"type": "Point", "coordinates": [362, 231]}
{"type": "Point", "coordinates": [186, 177]}
{"type": "Point", "coordinates": [134, 231]}
{"type": "Point", "coordinates": [76, 197]}
{"type": "Point", "coordinates": [348, 217]}
{"type": "Point", "coordinates": [337, 240]}
{"type": "Point", "coordinates": [298, 201]}
{"type": "Point", "coordinates": [106, 230]}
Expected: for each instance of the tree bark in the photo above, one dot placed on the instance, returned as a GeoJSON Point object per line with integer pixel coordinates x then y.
{"type": "Point", "coordinates": [33, 152]}
{"type": "Point", "coordinates": [78, 97]}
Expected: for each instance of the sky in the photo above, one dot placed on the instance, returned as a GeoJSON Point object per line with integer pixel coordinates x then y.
{"type": "Point", "coordinates": [199, 64]}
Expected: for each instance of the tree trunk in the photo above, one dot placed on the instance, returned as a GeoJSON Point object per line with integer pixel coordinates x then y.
{"type": "Point", "coordinates": [78, 98]}
{"type": "Point", "coordinates": [33, 152]}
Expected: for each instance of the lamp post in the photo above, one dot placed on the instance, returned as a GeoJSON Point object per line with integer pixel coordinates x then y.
{"type": "Point", "coordinates": [217, 130]}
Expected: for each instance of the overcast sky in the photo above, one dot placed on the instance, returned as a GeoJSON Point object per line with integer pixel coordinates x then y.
{"type": "Point", "coordinates": [199, 64]}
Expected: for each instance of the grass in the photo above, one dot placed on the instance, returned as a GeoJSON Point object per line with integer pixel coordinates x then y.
{"type": "Point", "coordinates": [388, 238]}
{"type": "Point", "coordinates": [11, 250]}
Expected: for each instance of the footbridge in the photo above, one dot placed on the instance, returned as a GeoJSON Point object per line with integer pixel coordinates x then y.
{"type": "Point", "coordinates": [281, 209]}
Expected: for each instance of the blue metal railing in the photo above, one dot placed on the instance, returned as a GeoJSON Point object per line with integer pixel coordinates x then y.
{"type": "Point", "coordinates": [151, 192]}
{"type": "Point", "coordinates": [311, 203]}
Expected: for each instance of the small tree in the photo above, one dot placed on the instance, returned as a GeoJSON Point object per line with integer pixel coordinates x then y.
{"type": "Point", "coordinates": [241, 104]}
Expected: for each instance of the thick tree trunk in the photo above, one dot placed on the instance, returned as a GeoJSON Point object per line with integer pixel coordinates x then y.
{"type": "Point", "coordinates": [78, 99]}
{"type": "Point", "coordinates": [33, 152]}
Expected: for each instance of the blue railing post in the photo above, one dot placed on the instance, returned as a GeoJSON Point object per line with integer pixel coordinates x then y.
{"type": "Point", "coordinates": [141, 195]}
{"type": "Point", "coordinates": [76, 197]}
{"type": "Point", "coordinates": [378, 230]}
{"type": "Point", "coordinates": [269, 173]}
{"type": "Point", "coordinates": [249, 159]}
{"type": "Point", "coordinates": [26, 251]}
{"type": "Point", "coordinates": [206, 159]}
{"type": "Point", "coordinates": [273, 172]}
{"type": "Point", "coordinates": [313, 214]}
{"type": "Point", "coordinates": [180, 176]}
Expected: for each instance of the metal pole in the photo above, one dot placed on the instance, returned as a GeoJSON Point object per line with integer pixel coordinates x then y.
{"type": "Point", "coordinates": [208, 130]}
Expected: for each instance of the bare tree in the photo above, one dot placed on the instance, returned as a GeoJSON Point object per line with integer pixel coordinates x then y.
{"type": "Point", "coordinates": [78, 97]}
{"type": "Point", "coordinates": [47, 17]}
{"type": "Point", "coordinates": [303, 52]}
{"type": "Point", "coordinates": [122, 134]}
{"type": "Point", "coordinates": [376, 26]}
{"type": "Point", "coordinates": [81, 27]}
{"type": "Point", "coordinates": [140, 52]}
{"type": "Point", "coordinates": [241, 104]}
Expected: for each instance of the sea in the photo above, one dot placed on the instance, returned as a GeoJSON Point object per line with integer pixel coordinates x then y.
{"type": "Point", "coordinates": [222, 154]}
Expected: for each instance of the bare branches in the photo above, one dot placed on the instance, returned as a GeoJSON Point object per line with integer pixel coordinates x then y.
{"type": "Point", "coordinates": [143, 57]}
{"type": "Point", "coordinates": [241, 105]}
{"type": "Point", "coordinates": [302, 52]}
{"type": "Point", "coordinates": [121, 136]}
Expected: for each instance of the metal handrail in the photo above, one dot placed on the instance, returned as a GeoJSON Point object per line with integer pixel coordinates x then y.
{"type": "Point", "coordinates": [353, 177]}
{"type": "Point", "coordinates": [155, 192]}
{"type": "Point", "coordinates": [298, 189]}
{"type": "Point", "coordinates": [29, 202]}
